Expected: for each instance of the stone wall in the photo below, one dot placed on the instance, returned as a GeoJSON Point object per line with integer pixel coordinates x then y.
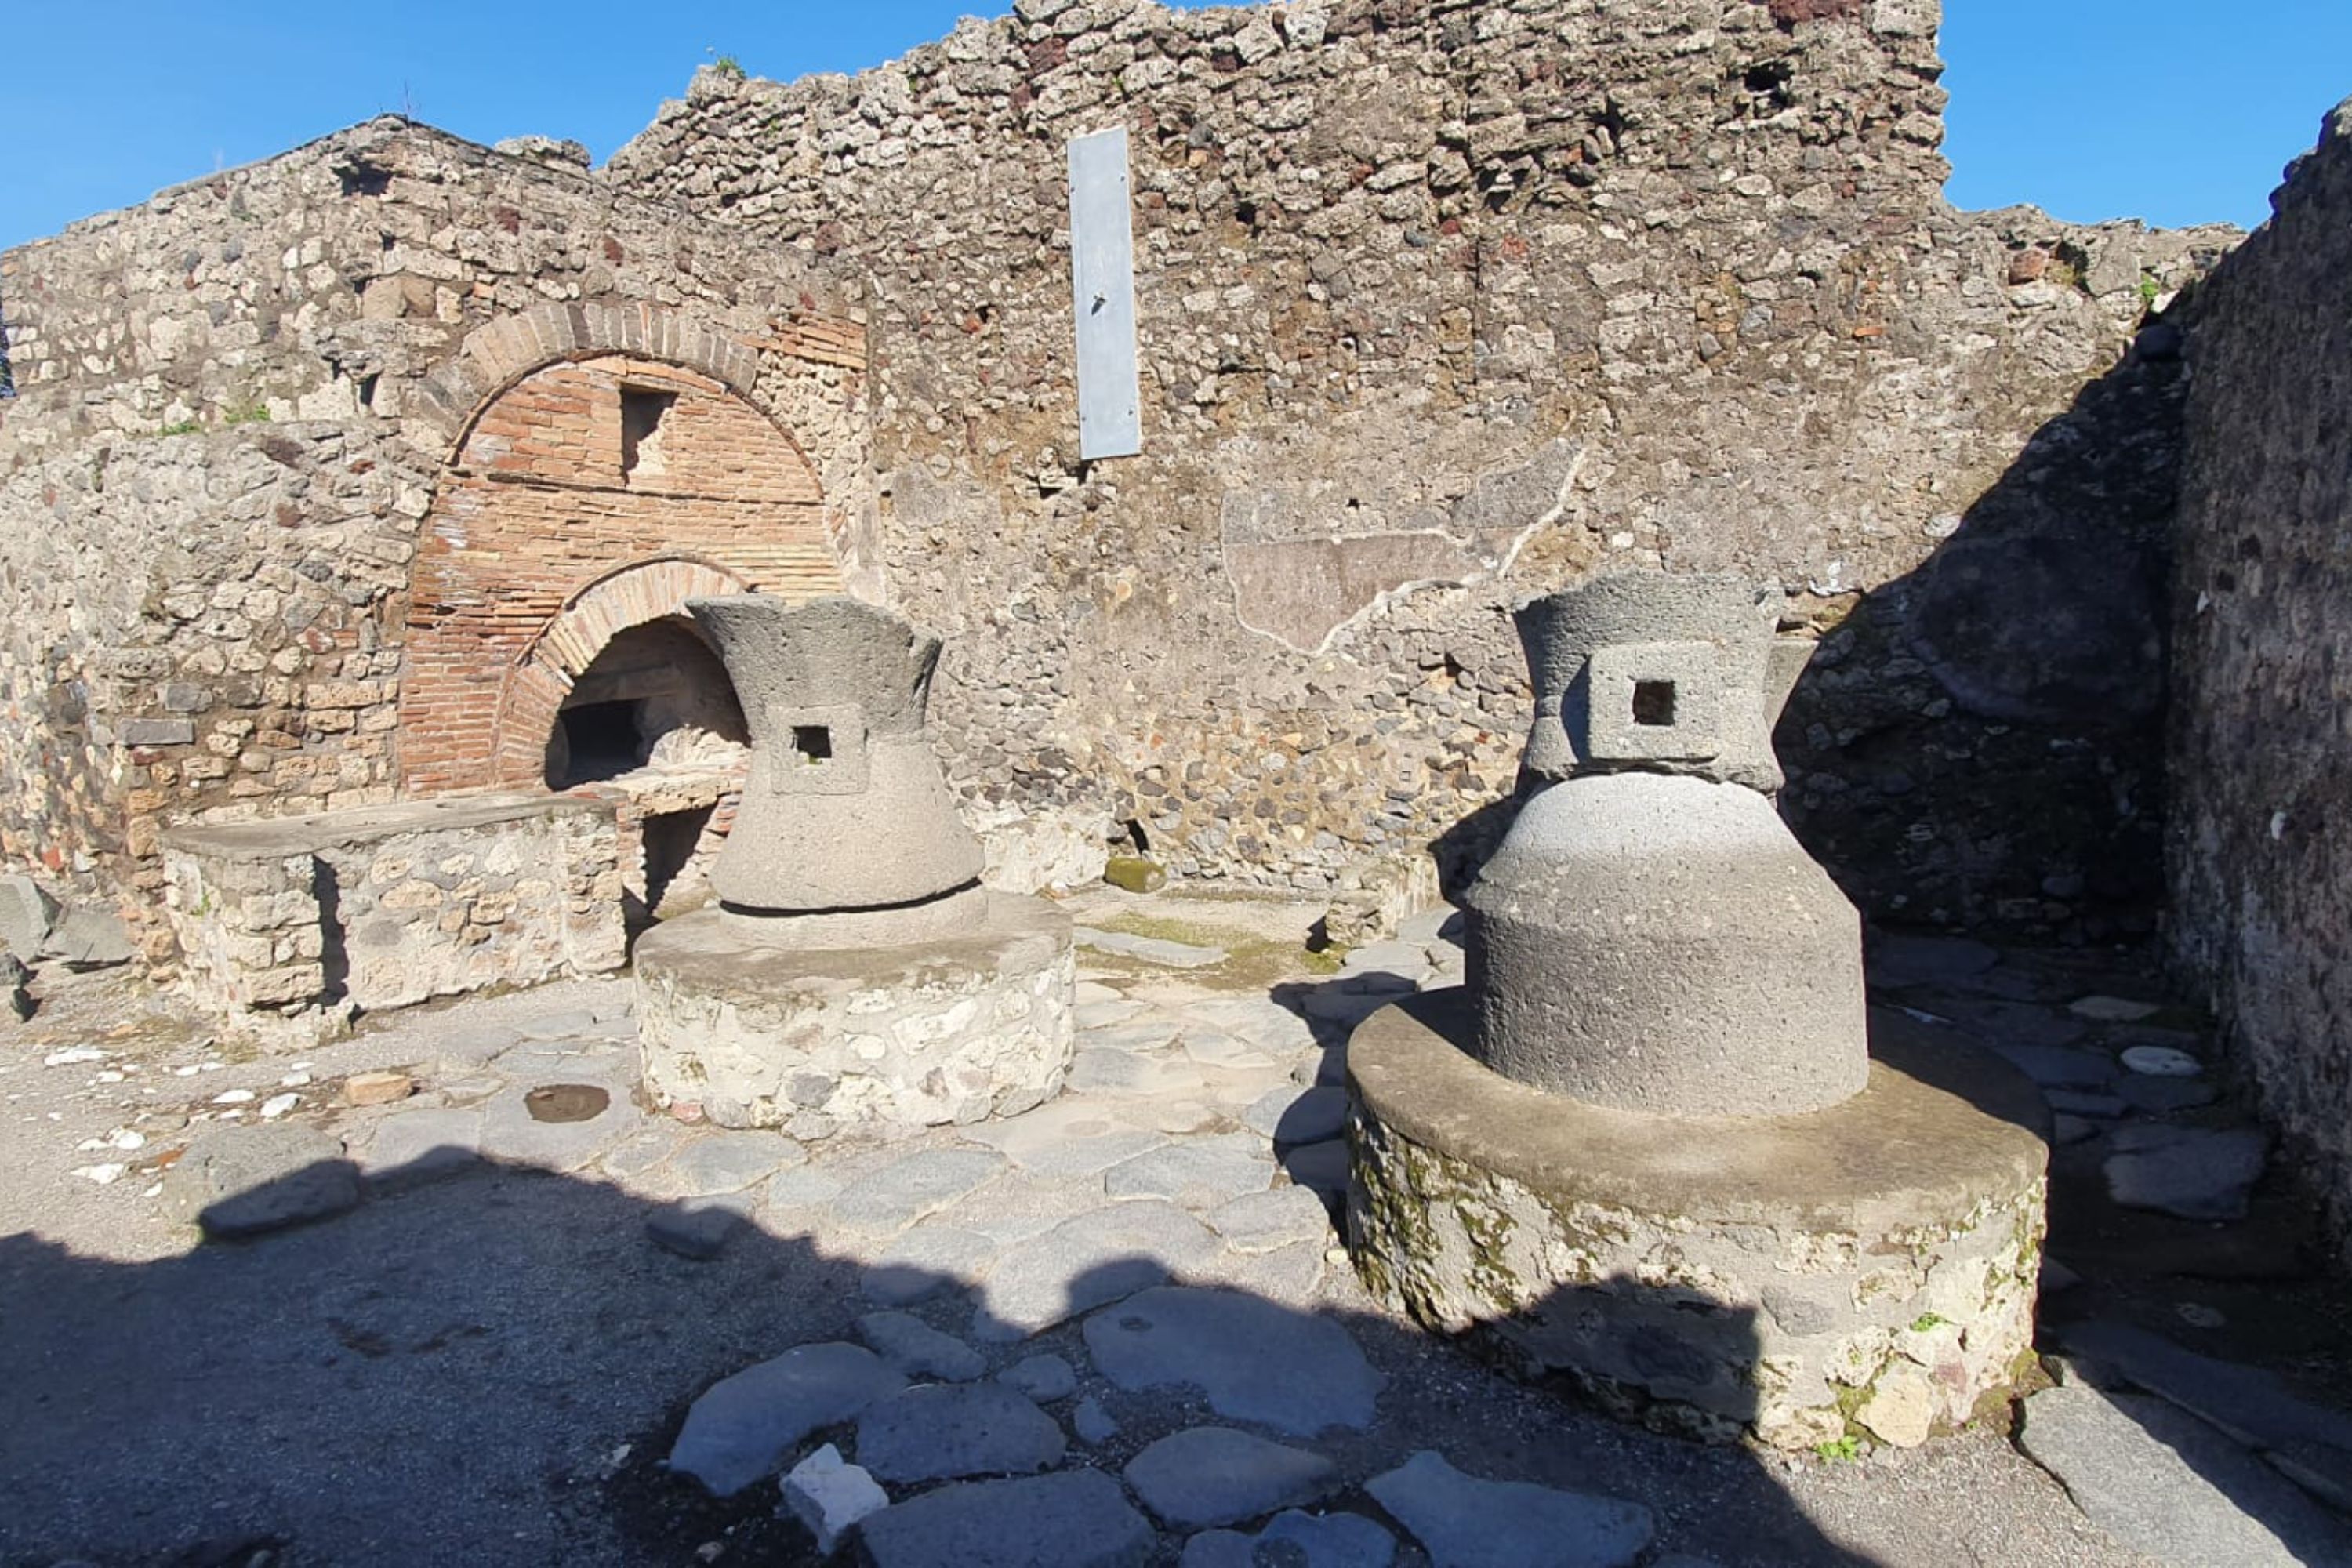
{"type": "Point", "coordinates": [301, 921]}
{"type": "Point", "coordinates": [238, 406]}
{"type": "Point", "coordinates": [1447, 304]}
{"type": "Point", "coordinates": [2261, 839]}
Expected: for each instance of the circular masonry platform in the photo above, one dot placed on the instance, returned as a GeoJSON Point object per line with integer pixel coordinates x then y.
{"type": "Point", "coordinates": [955, 1027]}
{"type": "Point", "coordinates": [1871, 1266]}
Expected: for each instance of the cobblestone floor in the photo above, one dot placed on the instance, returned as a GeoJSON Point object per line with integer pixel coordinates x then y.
{"type": "Point", "coordinates": [1119, 1328]}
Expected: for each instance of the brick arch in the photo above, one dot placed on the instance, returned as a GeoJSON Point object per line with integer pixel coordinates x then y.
{"type": "Point", "coordinates": [554, 526]}
{"type": "Point", "coordinates": [493, 357]}
{"type": "Point", "coordinates": [542, 677]}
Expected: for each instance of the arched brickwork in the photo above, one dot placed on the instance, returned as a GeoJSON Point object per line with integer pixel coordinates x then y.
{"type": "Point", "coordinates": [587, 495]}
{"type": "Point", "coordinates": [539, 683]}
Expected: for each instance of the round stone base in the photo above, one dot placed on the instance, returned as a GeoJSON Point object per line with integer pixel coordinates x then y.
{"type": "Point", "coordinates": [1867, 1267]}
{"type": "Point", "coordinates": [954, 1028]}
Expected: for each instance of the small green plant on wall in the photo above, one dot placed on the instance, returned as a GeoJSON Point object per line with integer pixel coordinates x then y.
{"type": "Point", "coordinates": [726, 66]}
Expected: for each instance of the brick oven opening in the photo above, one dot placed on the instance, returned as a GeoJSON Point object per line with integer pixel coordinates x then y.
{"type": "Point", "coordinates": [656, 696]}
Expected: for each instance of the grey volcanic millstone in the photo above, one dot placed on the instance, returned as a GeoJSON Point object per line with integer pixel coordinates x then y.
{"type": "Point", "coordinates": [740, 1430]}
{"type": "Point", "coordinates": [1214, 1475]}
{"type": "Point", "coordinates": [846, 806]}
{"type": "Point", "coordinates": [1255, 1360]}
{"type": "Point", "coordinates": [1464, 1522]}
{"type": "Point", "coordinates": [1077, 1519]}
{"type": "Point", "coordinates": [939, 1431]}
{"type": "Point", "coordinates": [1665, 945]}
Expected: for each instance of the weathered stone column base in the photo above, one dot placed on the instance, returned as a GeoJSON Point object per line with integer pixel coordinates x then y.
{"type": "Point", "coordinates": [1870, 1268]}
{"type": "Point", "coordinates": [956, 1027]}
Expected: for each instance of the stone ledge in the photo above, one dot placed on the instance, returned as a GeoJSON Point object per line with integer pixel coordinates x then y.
{"type": "Point", "coordinates": [276, 838]}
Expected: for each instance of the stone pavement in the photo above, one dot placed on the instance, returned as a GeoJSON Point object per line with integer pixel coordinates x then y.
{"type": "Point", "coordinates": [1120, 1328]}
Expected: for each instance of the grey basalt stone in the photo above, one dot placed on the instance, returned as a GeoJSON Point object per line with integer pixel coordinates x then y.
{"type": "Point", "coordinates": [1075, 1519]}
{"type": "Point", "coordinates": [1255, 1360]}
{"type": "Point", "coordinates": [1465, 1522]}
{"type": "Point", "coordinates": [1207, 1476]}
{"type": "Point", "coordinates": [235, 1182]}
{"type": "Point", "coordinates": [741, 1428]}
{"type": "Point", "coordinates": [916, 1348]}
{"type": "Point", "coordinates": [939, 1431]}
{"type": "Point", "coordinates": [1667, 674]}
{"type": "Point", "coordinates": [846, 806]}
{"type": "Point", "coordinates": [1662, 944]}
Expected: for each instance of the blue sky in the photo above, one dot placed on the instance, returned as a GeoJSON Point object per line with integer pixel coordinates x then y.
{"type": "Point", "coordinates": [2092, 109]}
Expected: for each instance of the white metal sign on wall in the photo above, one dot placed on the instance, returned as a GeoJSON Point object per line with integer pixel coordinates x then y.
{"type": "Point", "coordinates": [1102, 281]}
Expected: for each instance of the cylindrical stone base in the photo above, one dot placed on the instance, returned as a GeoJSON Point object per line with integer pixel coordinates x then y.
{"type": "Point", "coordinates": [954, 1028]}
{"type": "Point", "coordinates": [1869, 1267]}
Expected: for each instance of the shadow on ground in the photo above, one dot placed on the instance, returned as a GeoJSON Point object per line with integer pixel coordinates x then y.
{"type": "Point", "coordinates": [491, 1367]}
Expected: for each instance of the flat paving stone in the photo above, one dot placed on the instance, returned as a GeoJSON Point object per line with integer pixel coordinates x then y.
{"type": "Point", "coordinates": [1198, 1174]}
{"type": "Point", "coordinates": [943, 1431]}
{"type": "Point", "coordinates": [2074, 1102]}
{"type": "Point", "coordinates": [716, 1162]}
{"type": "Point", "coordinates": [1439, 923]}
{"type": "Point", "coordinates": [2164, 1483]}
{"type": "Point", "coordinates": [914, 1186]}
{"type": "Point", "coordinates": [510, 1132]}
{"type": "Point", "coordinates": [2161, 1061]}
{"type": "Point", "coordinates": [2192, 1172]}
{"type": "Point", "coordinates": [918, 1350]}
{"type": "Point", "coordinates": [1260, 1020]}
{"type": "Point", "coordinates": [799, 1189]}
{"type": "Point", "coordinates": [1131, 1073]}
{"type": "Point", "coordinates": [1075, 1519]}
{"type": "Point", "coordinates": [2113, 1009]}
{"type": "Point", "coordinates": [1297, 1539]}
{"type": "Point", "coordinates": [1927, 960]}
{"type": "Point", "coordinates": [411, 1147]}
{"type": "Point", "coordinates": [740, 1430]}
{"type": "Point", "coordinates": [1146, 1033]}
{"type": "Point", "coordinates": [1214, 1475]}
{"type": "Point", "coordinates": [1103, 1012]}
{"type": "Point", "coordinates": [1254, 1360]}
{"type": "Point", "coordinates": [1072, 1136]}
{"type": "Point", "coordinates": [1044, 1378]}
{"type": "Point", "coordinates": [1463, 1522]}
{"type": "Point", "coordinates": [1156, 950]}
{"type": "Point", "coordinates": [2005, 1022]}
{"type": "Point", "coordinates": [1277, 1218]}
{"type": "Point", "coordinates": [1087, 1261]}
{"type": "Point", "coordinates": [2309, 1443]}
{"type": "Point", "coordinates": [2163, 1096]}
{"type": "Point", "coordinates": [924, 1261]}
{"type": "Point", "coordinates": [1092, 1423]}
{"type": "Point", "coordinates": [1215, 1049]}
{"type": "Point", "coordinates": [2057, 1067]}
{"type": "Point", "coordinates": [236, 1182]}
{"type": "Point", "coordinates": [562, 1025]}
{"type": "Point", "coordinates": [1295, 1113]}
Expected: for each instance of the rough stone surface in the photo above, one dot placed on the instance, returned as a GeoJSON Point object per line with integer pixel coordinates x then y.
{"type": "Point", "coordinates": [1719, 969]}
{"type": "Point", "coordinates": [1199, 1173]}
{"type": "Point", "coordinates": [1044, 1378]}
{"type": "Point", "coordinates": [2259, 851]}
{"type": "Point", "coordinates": [377, 1087]}
{"type": "Point", "coordinates": [1254, 1360]}
{"type": "Point", "coordinates": [739, 1430]}
{"type": "Point", "coordinates": [1084, 1262]}
{"type": "Point", "coordinates": [1277, 1218]}
{"type": "Point", "coordinates": [918, 1350]}
{"type": "Point", "coordinates": [1463, 1522]}
{"type": "Point", "coordinates": [952, 1030]}
{"type": "Point", "coordinates": [2193, 1171]}
{"type": "Point", "coordinates": [1298, 1540]}
{"type": "Point", "coordinates": [1208, 1475]}
{"type": "Point", "coordinates": [238, 1182]}
{"type": "Point", "coordinates": [868, 823]}
{"type": "Point", "coordinates": [939, 1431]}
{"type": "Point", "coordinates": [831, 1497]}
{"type": "Point", "coordinates": [1804, 1246]}
{"type": "Point", "coordinates": [2162, 1482]}
{"type": "Point", "coordinates": [1154, 950]}
{"type": "Point", "coordinates": [697, 1229]}
{"type": "Point", "coordinates": [1077, 1519]}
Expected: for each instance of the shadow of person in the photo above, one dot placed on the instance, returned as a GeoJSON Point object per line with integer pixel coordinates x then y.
{"type": "Point", "coordinates": [492, 1366]}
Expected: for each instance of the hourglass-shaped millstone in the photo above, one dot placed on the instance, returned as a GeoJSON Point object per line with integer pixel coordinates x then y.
{"type": "Point", "coordinates": [845, 807]}
{"type": "Point", "coordinates": [1649, 935]}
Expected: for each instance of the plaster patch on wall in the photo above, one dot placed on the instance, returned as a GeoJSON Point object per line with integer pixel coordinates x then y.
{"type": "Point", "coordinates": [1301, 582]}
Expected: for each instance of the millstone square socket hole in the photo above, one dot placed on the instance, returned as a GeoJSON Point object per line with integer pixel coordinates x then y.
{"type": "Point", "coordinates": [566, 1103]}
